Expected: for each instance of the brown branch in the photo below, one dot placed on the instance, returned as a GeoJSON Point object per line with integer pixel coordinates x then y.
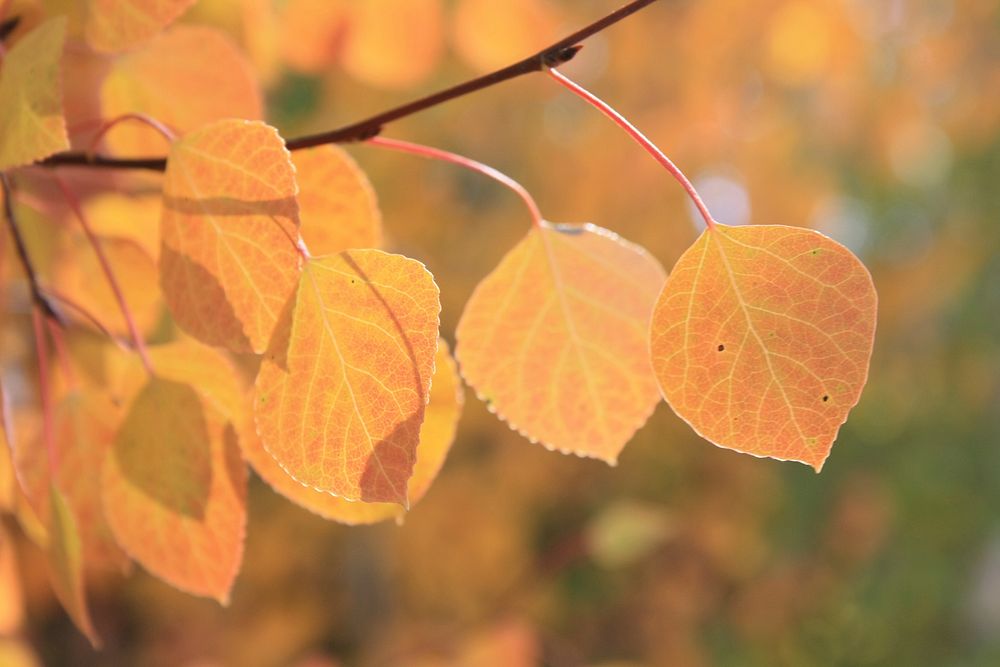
{"type": "Point", "coordinates": [37, 297]}
{"type": "Point", "coordinates": [551, 56]}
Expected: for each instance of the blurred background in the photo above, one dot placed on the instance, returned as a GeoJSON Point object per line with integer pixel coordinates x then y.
{"type": "Point", "coordinates": [876, 122]}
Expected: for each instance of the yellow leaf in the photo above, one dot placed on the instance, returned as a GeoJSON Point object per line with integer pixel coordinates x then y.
{"type": "Point", "coordinates": [132, 217]}
{"type": "Point", "coordinates": [761, 339]}
{"type": "Point", "coordinates": [555, 339]}
{"type": "Point", "coordinates": [185, 78]}
{"type": "Point", "coordinates": [118, 25]}
{"type": "Point", "coordinates": [336, 202]}
{"type": "Point", "coordinates": [490, 35]}
{"type": "Point", "coordinates": [342, 391]}
{"type": "Point", "coordinates": [32, 125]}
{"type": "Point", "coordinates": [436, 435]}
{"type": "Point", "coordinates": [65, 561]}
{"type": "Point", "coordinates": [228, 259]}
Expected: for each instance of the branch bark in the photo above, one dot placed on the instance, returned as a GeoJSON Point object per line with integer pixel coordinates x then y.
{"type": "Point", "coordinates": [551, 56]}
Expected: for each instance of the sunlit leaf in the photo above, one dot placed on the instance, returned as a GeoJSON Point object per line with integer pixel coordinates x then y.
{"type": "Point", "coordinates": [337, 205]}
{"type": "Point", "coordinates": [555, 339]}
{"type": "Point", "coordinates": [761, 339]}
{"type": "Point", "coordinates": [118, 25]}
{"type": "Point", "coordinates": [436, 435]}
{"type": "Point", "coordinates": [32, 125]}
{"type": "Point", "coordinates": [120, 216]}
{"type": "Point", "coordinates": [65, 560]}
{"type": "Point", "coordinates": [228, 260]}
{"type": "Point", "coordinates": [490, 35]}
{"type": "Point", "coordinates": [397, 52]}
{"type": "Point", "coordinates": [185, 78]}
{"type": "Point", "coordinates": [174, 485]}
{"type": "Point", "coordinates": [12, 600]}
{"type": "Point", "coordinates": [341, 392]}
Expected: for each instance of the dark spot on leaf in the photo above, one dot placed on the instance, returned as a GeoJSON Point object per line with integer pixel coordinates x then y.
{"type": "Point", "coordinates": [721, 347]}
{"type": "Point", "coordinates": [569, 229]}
{"type": "Point", "coordinates": [826, 398]}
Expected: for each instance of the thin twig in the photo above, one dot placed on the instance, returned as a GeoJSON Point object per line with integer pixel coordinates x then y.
{"type": "Point", "coordinates": [551, 56]}
{"type": "Point", "coordinates": [22, 252]}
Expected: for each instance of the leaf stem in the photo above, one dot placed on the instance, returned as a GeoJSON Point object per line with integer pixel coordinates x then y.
{"type": "Point", "coordinates": [639, 138]}
{"type": "Point", "coordinates": [555, 54]}
{"type": "Point", "coordinates": [468, 163]}
{"type": "Point", "coordinates": [22, 251]}
{"type": "Point", "coordinates": [95, 243]}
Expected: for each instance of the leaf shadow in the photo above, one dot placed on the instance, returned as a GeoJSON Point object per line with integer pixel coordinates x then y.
{"type": "Point", "coordinates": [163, 447]}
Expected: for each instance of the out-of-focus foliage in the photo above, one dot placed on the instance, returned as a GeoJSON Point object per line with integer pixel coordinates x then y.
{"type": "Point", "coordinates": [874, 122]}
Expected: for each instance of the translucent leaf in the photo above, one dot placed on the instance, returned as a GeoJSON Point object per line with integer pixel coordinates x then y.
{"type": "Point", "coordinates": [118, 25]}
{"type": "Point", "coordinates": [337, 205]}
{"type": "Point", "coordinates": [65, 560]}
{"type": "Point", "coordinates": [761, 339]}
{"type": "Point", "coordinates": [341, 393]}
{"type": "Point", "coordinates": [184, 78]}
{"type": "Point", "coordinates": [436, 435]}
{"type": "Point", "coordinates": [490, 35]}
{"type": "Point", "coordinates": [228, 260]}
{"type": "Point", "coordinates": [32, 125]}
{"type": "Point", "coordinates": [174, 484]}
{"type": "Point", "coordinates": [555, 339]}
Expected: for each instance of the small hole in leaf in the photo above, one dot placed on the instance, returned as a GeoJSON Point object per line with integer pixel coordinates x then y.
{"type": "Point", "coordinates": [826, 398]}
{"type": "Point", "coordinates": [721, 347]}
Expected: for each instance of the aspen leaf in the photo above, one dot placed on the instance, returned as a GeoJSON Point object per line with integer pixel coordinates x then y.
{"type": "Point", "coordinates": [761, 339]}
{"type": "Point", "coordinates": [436, 435]}
{"type": "Point", "coordinates": [341, 393]}
{"type": "Point", "coordinates": [393, 53]}
{"type": "Point", "coordinates": [228, 259]}
{"type": "Point", "coordinates": [120, 216]}
{"type": "Point", "coordinates": [32, 125]}
{"type": "Point", "coordinates": [118, 25]}
{"type": "Point", "coordinates": [174, 487]}
{"type": "Point", "coordinates": [337, 205]}
{"type": "Point", "coordinates": [65, 561]}
{"type": "Point", "coordinates": [312, 33]}
{"type": "Point", "coordinates": [555, 339]}
{"type": "Point", "coordinates": [184, 78]}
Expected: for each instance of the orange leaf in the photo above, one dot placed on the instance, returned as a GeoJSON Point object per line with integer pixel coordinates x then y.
{"type": "Point", "coordinates": [32, 125]}
{"type": "Point", "coordinates": [312, 33]}
{"type": "Point", "coordinates": [436, 435]}
{"type": "Point", "coordinates": [228, 260]}
{"type": "Point", "coordinates": [336, 202]}
{"type": "Point", "coordinates": [174, 486]}
{"type": "Point", "coordinates": [761, 339]}
{"type": "Point", "coordinates": [118, 25]}
{"type": "Point", "coordinates": [555, 339]}
{"type": "Point", "coordinates": [65, 560]}
{"type": "Point", "coordinates": [185, 78]}
{"type": "Point", "coordinates": [341, 393]}
{"type": "Point", "coordinates": [132, 217]}
{"type": "Point", "coordinates": [393, 43]}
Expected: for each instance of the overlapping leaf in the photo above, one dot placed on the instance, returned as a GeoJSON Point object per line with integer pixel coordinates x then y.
{"type": "Point", "coordinates": [436, 435]}
{"type": "Point", "coordinates": [174, 487]}
{"type": "Point", "coordinates": [555, 339]}
{"type": "Point", "coordinates": [185, 78]}
{"type": "Point", "coordinates": [118, 25]}
{"type": "Point", "coordinates": [65, 561]}
{"type": "Point", "coordinates": [228, 259]}
{"type": "Point", "coordinates": [32, 125]}
{"type": "Point", "coordinates": [341, 393]}
{"type": "Point", "coordinates": [761, 339]}
{"type": "Point", "coordinates": [337, 205]}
